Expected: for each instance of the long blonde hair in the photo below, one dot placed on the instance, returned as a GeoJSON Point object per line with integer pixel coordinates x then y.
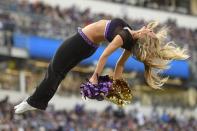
{"type": "Point", "coordinates": [155, 53]}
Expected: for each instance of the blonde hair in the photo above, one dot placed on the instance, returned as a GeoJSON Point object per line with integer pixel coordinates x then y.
{"type": "Point", "coordinates": [155, 53]}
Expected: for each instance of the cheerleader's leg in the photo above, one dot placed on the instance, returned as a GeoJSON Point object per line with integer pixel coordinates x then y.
{"type": "Point", "coordinates": [69, 54]}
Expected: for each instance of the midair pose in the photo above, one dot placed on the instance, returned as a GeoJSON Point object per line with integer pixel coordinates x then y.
{"type": "Point", "coordinates": [148, 47]}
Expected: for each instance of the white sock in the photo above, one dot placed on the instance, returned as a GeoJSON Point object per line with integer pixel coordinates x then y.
{"type": "Point", "coordinates": [23, 107]}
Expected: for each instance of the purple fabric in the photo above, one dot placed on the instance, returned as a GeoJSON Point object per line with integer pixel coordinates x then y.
{"type": "Point", "coordinates": [114, 28]}
{"type": "Point", "coordinates": [107, 29]}
{"type": "Point", "coordinates": [94, 91]}
{"type": "Point", "coordinates": [86, 38]}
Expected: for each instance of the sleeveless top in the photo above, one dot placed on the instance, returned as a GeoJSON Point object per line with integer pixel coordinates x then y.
{"type": "Point", "coordinates": [119, 27]}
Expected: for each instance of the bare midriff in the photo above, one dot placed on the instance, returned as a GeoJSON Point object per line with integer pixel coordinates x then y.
{"type": "Point", "coordinates": [95, 31]}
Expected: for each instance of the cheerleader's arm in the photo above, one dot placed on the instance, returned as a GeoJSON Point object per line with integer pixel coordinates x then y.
{"type": "Point", "coordinates": [120, 64]}
{"type": "Point", "coordinates": [115, 44]}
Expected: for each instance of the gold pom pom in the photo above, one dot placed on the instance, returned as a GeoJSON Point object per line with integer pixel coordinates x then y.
{"type": "Point", "coordinates": [120, 93]}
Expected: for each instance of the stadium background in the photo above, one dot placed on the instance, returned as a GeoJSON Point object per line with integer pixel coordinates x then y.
{"type": "Point", "coordinates": [31, 31]}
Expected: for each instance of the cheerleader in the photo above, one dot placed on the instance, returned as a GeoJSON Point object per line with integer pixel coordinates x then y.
{"type": "Point", "coordinates": [143, 43]}
{"type": "Point", "coordinates": [147, 46]}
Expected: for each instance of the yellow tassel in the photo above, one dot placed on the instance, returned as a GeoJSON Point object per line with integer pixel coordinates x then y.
{"type": "Point", "coordinates": [120, 93]}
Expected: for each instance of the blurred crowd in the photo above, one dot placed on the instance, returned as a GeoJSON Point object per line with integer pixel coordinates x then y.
{"type": "Point", "coordinates": [44, 20]}
{"type": "Point", "coordinates": [20, 16]}
{"type": "Point", "coordinates": [178, 6]}
{"type": "Point", "coordinates": [52, 21]}
{"type": "Point", "coordinates": [81, 119]}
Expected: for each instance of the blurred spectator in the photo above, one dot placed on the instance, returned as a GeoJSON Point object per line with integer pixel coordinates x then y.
{"type": "Point", "coordinates": [82, 120]}
{"type": "Point", "coordinates": [165, 117]}
{"type": "Point", "coordinates": [44, 20]}
{"type": "Point", "coordinates": [182, 6]}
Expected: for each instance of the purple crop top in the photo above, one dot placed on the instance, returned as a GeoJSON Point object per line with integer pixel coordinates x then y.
{"type": "Point", "coordinates": [117, 27]}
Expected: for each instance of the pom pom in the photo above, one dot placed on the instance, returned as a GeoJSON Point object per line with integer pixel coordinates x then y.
{"type": "Point", "coordinates": [120, 93]}
{"type": "Point", "coordinates": [93, 91]}
{"type": "Point", "coordinates": [118, 90]}
{"type": "Point", "coordinates": [115, 91]}
{"type": "Point", "coordinates": [105, 83]}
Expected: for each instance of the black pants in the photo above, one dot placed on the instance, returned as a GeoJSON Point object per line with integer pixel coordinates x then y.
{"type": "Point", "coordinates": [70, 53]}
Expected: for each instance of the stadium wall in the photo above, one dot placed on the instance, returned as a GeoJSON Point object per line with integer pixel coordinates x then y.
{"type": "Point", "coordinates": [119, 10]}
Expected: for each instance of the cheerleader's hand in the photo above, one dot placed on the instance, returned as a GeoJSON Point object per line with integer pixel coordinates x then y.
{"type": "Point", "coordinates": [93, 79]}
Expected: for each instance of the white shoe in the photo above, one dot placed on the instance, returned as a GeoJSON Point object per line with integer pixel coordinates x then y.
{"type": "Point", "coordinates": [23, 107]}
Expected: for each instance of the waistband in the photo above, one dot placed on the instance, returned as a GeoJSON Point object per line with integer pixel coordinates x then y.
{"type": "Point", "coordinates": [88, 41]}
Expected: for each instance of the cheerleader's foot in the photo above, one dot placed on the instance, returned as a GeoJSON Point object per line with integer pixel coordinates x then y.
{"type": "Point", "coordinates": [23, 107]}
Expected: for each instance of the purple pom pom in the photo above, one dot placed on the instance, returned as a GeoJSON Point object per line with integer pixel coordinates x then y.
{"type": "Point", "coordinates": [105, 83]}
{"type": "Point", "coordinates": [105, 78]}
{"type": "Point", "coordinates": [93, 91]}
{"type": "Point", "coordinates": [99, 91]}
